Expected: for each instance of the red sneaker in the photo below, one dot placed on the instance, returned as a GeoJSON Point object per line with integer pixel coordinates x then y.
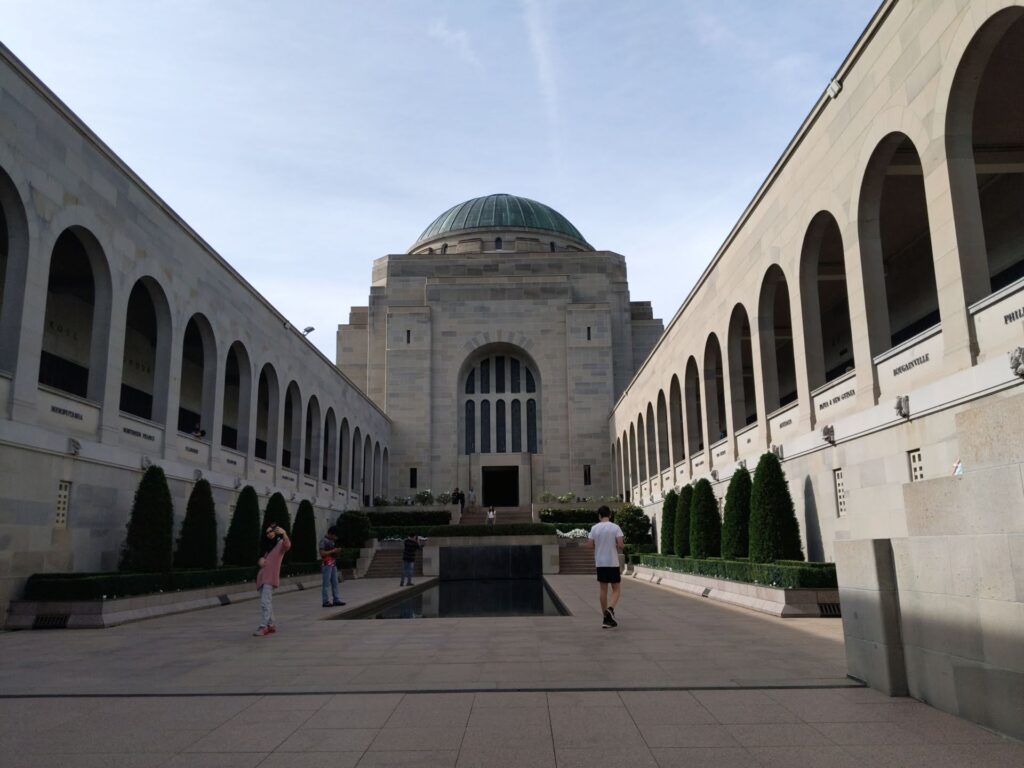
{"type": "Point", "coordinates": [262, 631]}
{"type": "Point", "coordinates": [271, 629]}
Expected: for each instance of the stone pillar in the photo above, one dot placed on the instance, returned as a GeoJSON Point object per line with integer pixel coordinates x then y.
{"type": "Point", "coordinates": [871, 614]}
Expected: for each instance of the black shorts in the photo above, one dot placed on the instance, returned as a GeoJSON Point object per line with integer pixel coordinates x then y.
{"type": "Point", "coordinates": [609, 575]}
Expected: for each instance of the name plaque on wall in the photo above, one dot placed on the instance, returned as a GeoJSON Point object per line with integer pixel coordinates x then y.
{"type": "Point", "coordinates": [837, 399]}
{"type": "Point", "coordinates": [138, 433]}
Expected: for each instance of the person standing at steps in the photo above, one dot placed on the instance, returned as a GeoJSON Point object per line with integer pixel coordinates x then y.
{"type": "Point", "coordinates": [412, 545]}
{"type": "Point", "coordinates": [490, 516]}
{"type": "Point", "coordinates": [329, 550]}
{"type": "Point", "coordinates": [606, 539]}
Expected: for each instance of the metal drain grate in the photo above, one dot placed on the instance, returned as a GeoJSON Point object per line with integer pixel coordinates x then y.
{"type": "Point", "coordinates": [829, 609]}
{"type": "Point", "coordinates": [51, 621]}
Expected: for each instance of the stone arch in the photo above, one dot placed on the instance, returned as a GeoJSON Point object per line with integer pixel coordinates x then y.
{"type": "Point", "coordinates": [268, 406]}
{"type": "Point", "coordinates": [675, 405]}
{"type": "Point", "coordinates": [311, 438]}
{"type": "Point", "coordinates": [385, 470]}
{"type": "Point", "coordinates": [664, 459]}
{"type": "Point", "coordinates": [694, 417]}
{"type": "Point", "coordinates": [367, 476]}
{"type": "Point", "coordinates": [237, 398]}
{"type": "Point", "coordinates": [741, 368]}
{"type": "Point", "coordinates": [984, 129]}
{"type": "Point", "coordinates": [775, 329]}
{"type": "Point", "coordinates": [714, 390]}
{"type": "Point", "coordinates": [14, 242]}
{"type": "Point", "coordinates": [357, 463]}
{"type": "Point", "coordinates": [291, 442]}
{"type": "Point", "coordinates": [895, 245]}
{"type": "Point", "coordinates": [824, 301]}
{"type": "Point", "coordinates": [376, 469]}
{"type": "Point", "coordinates": [146, 363]}
{"type": "Point", "coordinates": [345, 456]}
{"type": "Point", "coordinates": [329, 462]}
{"type": "Point", "coordinates": [198, 379]}
{"type": "Point", "coordinates": [641, 449]}
{"type": "Point", "coordinates": [499, 386]}
{"type": "Point", "coordinates": [76, 326]}
{"type": "Point", "coordinates": [634, 477]}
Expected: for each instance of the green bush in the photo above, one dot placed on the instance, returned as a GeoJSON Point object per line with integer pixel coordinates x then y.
{"type": "Point", "coordinates": [736, 528]}
{"type": "Point", "coordinates": [705, 524]}
{"type": "Point", "coordinates": [668, 523]}
{"type": "Point", "coordinates": [426, 517]}
{"type": "Point", "coordinates": [304, 544]}
{"type": "Point", "coordinates": [506, 529]}
{"type": "Point", "coordinates": [568, 516]}
{"type": "Point", "coordinates": [197, 542]}
{"type": "Point", "coordinates": [788, 575]}
{"type": "Point", "coordinates": [347, 557]}
{"type": "Point", "coordinates": [353, 528]}
{"type": "Point", "coordinates": [774, 530]}
{"type": "Point", "coordinates": [632, 550]}
{"type": "Point", "coordinates": [681, 532]}
{"type": "Point", "coordinates": [241, 545]}
{"type": "Point", "coordinates": [635, 525]}
{"type": "Point", "coordinates": [95, 586]}
{"type": "Point", "coordinates": [148, 545]}
{"type": "Point", "coordinates": [277, 513]}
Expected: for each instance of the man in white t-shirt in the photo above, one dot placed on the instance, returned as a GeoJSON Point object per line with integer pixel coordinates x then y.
{"type": "Point", "coordinates": [606, 540]}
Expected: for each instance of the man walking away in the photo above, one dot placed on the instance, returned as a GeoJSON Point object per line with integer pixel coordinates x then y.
{"type": "Point", "coordinates": [412, 544]}
{"type": "Point", "coordinates": [606, 540]}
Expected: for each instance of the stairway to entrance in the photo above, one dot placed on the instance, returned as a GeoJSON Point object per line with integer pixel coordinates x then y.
{"type": "Point", "coordinates": [574, 559]}
{"type": "Point", "coordinates": [387, 563]}
{"type": "Point", "coordinates": [478, 515]}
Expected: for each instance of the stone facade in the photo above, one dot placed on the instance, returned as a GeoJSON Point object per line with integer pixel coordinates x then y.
{"type": "Point", "coordinates": [121, 334]}
{"type": "Point", "coordinates": [860, 320]}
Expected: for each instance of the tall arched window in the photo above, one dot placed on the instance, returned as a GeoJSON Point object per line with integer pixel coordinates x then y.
{"type": "Point", "coordinates": [497, 243]}
{"type": "Point", "coordinates": [828, 340]}
{"type": "Point", "coordinates": [491, 412]}
{"type": "Point", "coordinates": [146, 358]}
{"type": "Point", "coordinates": [776, 329]}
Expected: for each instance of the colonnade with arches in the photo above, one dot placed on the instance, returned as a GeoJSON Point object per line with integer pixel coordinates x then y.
{"type": "Point", "coordinates": [899, 280]}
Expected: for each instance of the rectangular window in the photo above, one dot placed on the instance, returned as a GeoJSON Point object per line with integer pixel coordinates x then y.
{"type": "Point", "coordinates": [499, 374]}
{"type": "Point", "coordinates": [916, 465]}
{"type": "Point", "coordinates": [837, 478]}
{"type": "Point", "coordinates": [586, 474]}
{"type": "Point", "coordinates": [408, 336]}
{"type": "Point", "coordinates": [588, 333]}
{"type": "Point", "coordinates": [514, 371]}
{"type": "Point", "coordinates": [412, 477]}
{"type": "Point", "coordinates": [485, 377]}
{"type": "Point", "coordinates": [63, 502]}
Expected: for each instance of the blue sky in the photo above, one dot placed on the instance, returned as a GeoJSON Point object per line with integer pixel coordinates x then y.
{"type": "Point", "coordinates": [302, 140]}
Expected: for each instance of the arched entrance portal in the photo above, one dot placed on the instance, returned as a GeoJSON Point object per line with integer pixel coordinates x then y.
{"type": "Point", "coordinates": [500, 429]}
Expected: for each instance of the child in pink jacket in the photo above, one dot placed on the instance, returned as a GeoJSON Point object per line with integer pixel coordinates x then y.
{"type": "Point", "coordinates": [268, 579]}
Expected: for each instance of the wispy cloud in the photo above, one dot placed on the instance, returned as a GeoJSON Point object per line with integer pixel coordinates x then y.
{"type": "Point", "coordinates": [538, 31]}
{"type": "Point", "coordinates": [456, 40]}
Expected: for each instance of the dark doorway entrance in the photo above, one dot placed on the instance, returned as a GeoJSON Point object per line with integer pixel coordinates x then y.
{"type": "Point", "coordinates": [501, 486]}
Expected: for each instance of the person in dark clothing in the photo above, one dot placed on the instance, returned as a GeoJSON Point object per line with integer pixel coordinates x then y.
{"type": "Point", "coordinates": [412, 545]}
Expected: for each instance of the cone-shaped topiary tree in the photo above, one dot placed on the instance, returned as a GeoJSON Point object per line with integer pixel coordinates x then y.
{"type": "Point", "coordinates": [668, 523]}
{"type": "Point", "coordinates": [277, 513]}
{"type": "Point", "coordinates": [304, 544]}
{"type": "Point", "coordinates": [681, 532]}
{"type": "Point", "coordinates": [148, 545]}
{"type": "Point", "coordinates": [705, 524]}
{"type": "Point", "coordinates": [197, 542]}
{"type": "Point", "coordinates": [736, 528]}
{"type": "Point", "coordinates": [241, 545]}
{"type": "Point", "coordinates": [774, 530]}
{"type": "Point", "coordinates": [353, 528]}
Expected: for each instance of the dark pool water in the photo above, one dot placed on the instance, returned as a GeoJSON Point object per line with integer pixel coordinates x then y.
{"type": "Point", "coordinates": [462, 599]}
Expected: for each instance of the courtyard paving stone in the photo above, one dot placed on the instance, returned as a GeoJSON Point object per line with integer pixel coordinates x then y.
{"type": "Point", "coordinates": [682, 682]}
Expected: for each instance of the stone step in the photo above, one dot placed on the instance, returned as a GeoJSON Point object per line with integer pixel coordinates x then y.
{"type": "Point", "coordinates": [387, 563]}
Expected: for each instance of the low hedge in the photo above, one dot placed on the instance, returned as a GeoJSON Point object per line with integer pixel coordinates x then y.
{"type": "Point", "coordinates": [785, 574]}
{"type": "Point", "coordinates": [400, 531]}
{"type": "Point", "coordinates": [347, 557]}
{"type": "Point", "coordinates": [391, 519]}
{"type": "Point", "coordinates": [94, 586]}
{"type": "Point", "coordinates": [506, 529]}
{"type": "Point", "coordinates": [568, 516]}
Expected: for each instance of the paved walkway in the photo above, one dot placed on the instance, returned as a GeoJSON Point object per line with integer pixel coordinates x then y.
{"type": "Point", "coordinates": [683, 681]}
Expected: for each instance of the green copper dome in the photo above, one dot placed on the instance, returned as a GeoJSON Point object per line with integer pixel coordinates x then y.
{"type": "Point", "coordinates": [500, 212]}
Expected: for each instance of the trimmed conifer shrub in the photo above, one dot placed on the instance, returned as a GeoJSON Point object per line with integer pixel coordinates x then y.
{"type": "Point", "coordinates": [304, 544]}
{"type": "Point", "coordinates": [241, 545]}
{"type": "Point", "coordinates": [197, 541]}
{"type": "Point", "coordinates": [148, 545]}
{"type": "Point", "coordinates": [277, 513]}
{"type": "Point", "coordinates": [681, 532]}
{"type": "Point", "coordinates": [774, 530]}
{"type": "Point", "coordinates": [668, 523]}
{"type": "Point", "coordinates": [736, 528]}
{"type": "Point", "coordinates": [635, 525]}
{"type": "Point", "coordinates": [705, 524]}
{"type": "Point", "coordinates": [354, 528]}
